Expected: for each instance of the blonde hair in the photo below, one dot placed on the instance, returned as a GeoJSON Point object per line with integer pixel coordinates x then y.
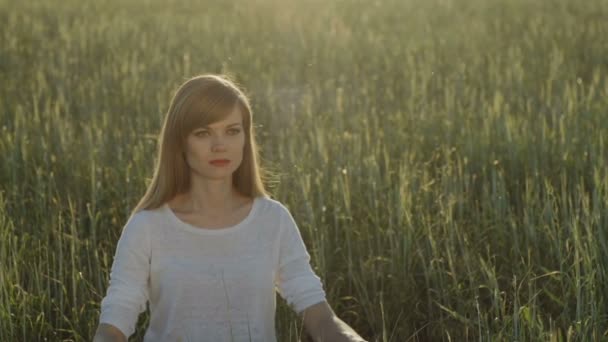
{"type": "Point", "coordinates": [200, 101]}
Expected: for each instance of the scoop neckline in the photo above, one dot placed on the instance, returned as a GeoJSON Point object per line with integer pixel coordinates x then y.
{"type": "Point", "coordinates": [212, 231]}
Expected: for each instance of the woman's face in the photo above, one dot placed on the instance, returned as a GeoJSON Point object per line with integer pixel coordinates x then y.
{"type": "Point", "coordinates": [222, 140]}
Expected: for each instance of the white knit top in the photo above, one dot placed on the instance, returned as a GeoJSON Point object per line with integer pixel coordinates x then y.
{"type": "Point", "coordinates": [209, 284]}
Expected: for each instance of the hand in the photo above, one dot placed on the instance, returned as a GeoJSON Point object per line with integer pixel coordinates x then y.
{"type": "Point", "coordinates": [346, 336]}
{"type": "Point", "coordinates": [338, 331]}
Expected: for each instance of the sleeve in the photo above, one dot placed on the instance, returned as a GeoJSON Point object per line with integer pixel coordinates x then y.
{"type": "Point", "coordinates": [295, 280]}
{"type": "Point", "coordinates": [127, 293]}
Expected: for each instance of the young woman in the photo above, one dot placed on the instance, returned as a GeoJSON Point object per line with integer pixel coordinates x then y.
{"type": "Point", "coordinates": [206, 246]}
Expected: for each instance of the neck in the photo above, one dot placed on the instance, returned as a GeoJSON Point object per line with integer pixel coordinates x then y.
{"type": "Point", "coordinates": [210, 195]}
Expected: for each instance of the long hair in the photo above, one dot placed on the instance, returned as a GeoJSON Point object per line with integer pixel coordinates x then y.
{"type": "Point", "coordinates": [200, 101]}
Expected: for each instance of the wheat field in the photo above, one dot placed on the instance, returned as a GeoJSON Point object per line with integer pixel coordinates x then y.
{"type": "Point", "coordinates": [446, 161]}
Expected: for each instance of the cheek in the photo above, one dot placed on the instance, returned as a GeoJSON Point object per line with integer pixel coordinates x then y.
{"type": "Point", "coordinates": [239, 143]}
{"type": "Point", "coordinates": [197, 150]}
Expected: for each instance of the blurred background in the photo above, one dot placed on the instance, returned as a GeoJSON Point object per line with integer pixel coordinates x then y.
{"type": "Point", "coordinates": [445, 160]}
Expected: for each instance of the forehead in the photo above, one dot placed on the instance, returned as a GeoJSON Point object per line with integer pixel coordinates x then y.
{"type": "Point", "coordinates": [233, 116]}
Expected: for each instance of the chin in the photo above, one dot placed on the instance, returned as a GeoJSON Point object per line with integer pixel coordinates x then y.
{"type": "Point", "coordinates": [216, 175]}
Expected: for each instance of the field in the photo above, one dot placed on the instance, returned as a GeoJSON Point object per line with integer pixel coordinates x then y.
{"type": "Point", "coordinates": [446, 161]}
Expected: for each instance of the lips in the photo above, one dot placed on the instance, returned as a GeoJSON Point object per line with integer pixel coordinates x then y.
{"type": "Point", "coordinates": [219, 162]}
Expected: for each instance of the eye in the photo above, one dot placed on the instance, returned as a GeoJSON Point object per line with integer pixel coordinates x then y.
{"type": "Point", "coordinates": [234, 131]}
{"type": "Point", "coordinates": [201, 133]}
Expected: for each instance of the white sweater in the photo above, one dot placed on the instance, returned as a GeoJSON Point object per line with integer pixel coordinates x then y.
{"type": "Point", "coordinates": [209, 284]}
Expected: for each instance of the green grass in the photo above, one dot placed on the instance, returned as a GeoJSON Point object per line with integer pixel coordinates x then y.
{"type": "Point", "coordinates": [446, 161]}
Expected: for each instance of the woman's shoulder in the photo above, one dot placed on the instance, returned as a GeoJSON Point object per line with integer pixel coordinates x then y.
{"type": "Point", "coordinates": [272, 205]}
{"type": "Point", "coordinates": [145, 217]}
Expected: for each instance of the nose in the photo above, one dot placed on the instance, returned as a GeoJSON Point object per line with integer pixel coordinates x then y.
{"type": "Point", "coordinates": [217, 145]}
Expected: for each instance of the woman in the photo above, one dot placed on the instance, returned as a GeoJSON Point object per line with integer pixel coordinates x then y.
{"type": "Point", "coordinates": [206, 246]}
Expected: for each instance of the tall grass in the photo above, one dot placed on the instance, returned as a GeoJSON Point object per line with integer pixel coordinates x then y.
{"type": "Point", "coordinates": [446, 161]}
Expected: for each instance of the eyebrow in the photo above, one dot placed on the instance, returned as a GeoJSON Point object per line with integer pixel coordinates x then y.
{"type": "Point", "coordinates": [228, 126]}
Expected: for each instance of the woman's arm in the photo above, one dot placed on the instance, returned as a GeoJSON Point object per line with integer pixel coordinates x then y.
{"type": "Point", "coordinates": [302, 288]}
{"type": "Point", "coordinates": [323, 325]}
{"type": "Point", "coordinates": [108, 333]}
{"type": "Point", "coordinates": [127, 293]}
